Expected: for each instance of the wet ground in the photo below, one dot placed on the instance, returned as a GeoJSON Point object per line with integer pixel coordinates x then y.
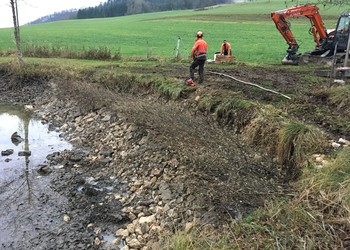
{"type": "Point", "coordinates": [54, 211]}
{"type": "Point", "coordinates": [48, 200]}
{"type": "Point", "coordinates": [219, 174]}
{"type": "Point", "coordinates": [28, 204]}
{"type": "Point", "coordinates": [32, 135]}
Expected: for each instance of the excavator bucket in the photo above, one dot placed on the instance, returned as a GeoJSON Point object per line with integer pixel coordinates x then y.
{"type": "Point", "coordinates": [286, 61]}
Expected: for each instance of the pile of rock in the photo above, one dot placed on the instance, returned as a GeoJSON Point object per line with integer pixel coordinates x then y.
{"type": "Point", "coordinates": [156, 202]}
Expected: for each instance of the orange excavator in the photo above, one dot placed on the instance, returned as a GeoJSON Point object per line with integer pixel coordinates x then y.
{"type": "Point", "coordinates": [328, 42]}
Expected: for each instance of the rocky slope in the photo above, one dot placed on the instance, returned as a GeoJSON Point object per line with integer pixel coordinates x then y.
{"type": "Point", "coordinates": [141, 168]}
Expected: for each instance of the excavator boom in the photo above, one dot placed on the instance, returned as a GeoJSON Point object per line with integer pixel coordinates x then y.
{"type": "Point", "coordinates": [317, 28]}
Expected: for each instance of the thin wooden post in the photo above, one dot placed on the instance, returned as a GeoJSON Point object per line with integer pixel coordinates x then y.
{"type": "Point", "coordinates": [347, 51]}
{"type": "Point", "coordinates": [177, 47]}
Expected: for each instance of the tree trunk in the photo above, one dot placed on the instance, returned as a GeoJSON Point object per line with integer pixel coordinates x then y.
{"type": "Point", "coordinates": [14, 8]}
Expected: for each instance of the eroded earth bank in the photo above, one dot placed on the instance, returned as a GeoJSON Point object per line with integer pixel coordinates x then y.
{"type": "Point", "coordinates": [141, 167]}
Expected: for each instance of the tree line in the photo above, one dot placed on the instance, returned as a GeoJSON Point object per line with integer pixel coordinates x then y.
{"type": "Point", "coordinates": [113, 8]}
{"type": "Point", "coordinates": [57, 16]}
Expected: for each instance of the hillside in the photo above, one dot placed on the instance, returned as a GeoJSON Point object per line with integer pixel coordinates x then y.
{"type": "Point", "coordinates": [57, 16]}
{"type": "Point", "coordinates": [247, 26]}
{"type": "Point", "coordinates": [114, 8]}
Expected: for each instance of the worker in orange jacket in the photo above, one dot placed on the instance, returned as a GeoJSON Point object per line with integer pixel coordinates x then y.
{"type": "Point", "coordinates": [199, 55]}
{"type": "Point", "coordinates": [225, 48]}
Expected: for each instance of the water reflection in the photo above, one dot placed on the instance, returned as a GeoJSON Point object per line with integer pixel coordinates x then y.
{"type": "Point", "coordinates": [25, 195]}
{"type": "Point", "coordinates": [34, 142]}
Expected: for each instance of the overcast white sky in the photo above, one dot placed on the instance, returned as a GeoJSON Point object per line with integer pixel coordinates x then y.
{"type": "Point", "coordinates": [30, 10]}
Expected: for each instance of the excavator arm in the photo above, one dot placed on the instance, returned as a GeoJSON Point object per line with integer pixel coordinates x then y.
{"type": "Point", "coordinates": [317, 28]}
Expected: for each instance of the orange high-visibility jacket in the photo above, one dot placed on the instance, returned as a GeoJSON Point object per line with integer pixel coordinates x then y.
{"type": "Point", "coordinates": [199, 47]}
{"type": "Point", "coordinates": [226, 47]}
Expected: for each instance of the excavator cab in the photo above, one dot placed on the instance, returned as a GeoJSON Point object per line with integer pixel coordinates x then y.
{"type": "Point", "coordinates": [342, 31]}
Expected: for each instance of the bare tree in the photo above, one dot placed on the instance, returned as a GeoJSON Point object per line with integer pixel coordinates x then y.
{"type": "Point", "coordinates": [14, 8]}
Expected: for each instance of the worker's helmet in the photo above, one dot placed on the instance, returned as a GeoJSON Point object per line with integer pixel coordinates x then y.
{"type": "Point", "coordinates": [199, 34]}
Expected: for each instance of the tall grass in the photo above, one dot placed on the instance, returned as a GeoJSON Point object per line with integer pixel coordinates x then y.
{"type": "Point", "coordinates": [340, 97]}
{"type": "Point", "coordinates": [297, 141]}
{"type": "Point", "coordinates": [92, 53]}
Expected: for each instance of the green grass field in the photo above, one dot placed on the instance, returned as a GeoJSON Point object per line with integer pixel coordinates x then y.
{"type": "Point", "coordinates": [247, 26]}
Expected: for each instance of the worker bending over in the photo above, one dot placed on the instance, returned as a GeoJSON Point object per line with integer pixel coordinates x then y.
{"type": "Point", "coordinates": [225, 49]}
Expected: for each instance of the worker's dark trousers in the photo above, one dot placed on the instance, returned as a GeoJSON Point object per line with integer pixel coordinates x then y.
{"type": "Point", "coordinates": [198, 62]}
{"type": "Point", "coordinates": [226, 52]}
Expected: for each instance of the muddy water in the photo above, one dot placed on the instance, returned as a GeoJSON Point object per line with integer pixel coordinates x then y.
{"type": "Point", "coordinates": [33, 136]}
{"type": "Point", "coordinates": [25, 196]}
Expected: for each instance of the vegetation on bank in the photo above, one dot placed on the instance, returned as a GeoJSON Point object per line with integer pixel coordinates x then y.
{"type": "Point", "coordinates": [315, 215]}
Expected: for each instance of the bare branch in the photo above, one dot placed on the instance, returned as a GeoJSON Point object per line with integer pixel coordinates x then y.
{"type": "Point", "coordinates": [249, 83]}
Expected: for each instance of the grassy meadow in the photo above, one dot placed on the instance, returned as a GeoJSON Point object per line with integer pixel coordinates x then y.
{"type": "Point", "coordinates": [247, 26]}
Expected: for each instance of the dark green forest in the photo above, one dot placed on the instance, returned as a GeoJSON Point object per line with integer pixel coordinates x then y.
{"type": "Point", "coordinates": [113, 8]}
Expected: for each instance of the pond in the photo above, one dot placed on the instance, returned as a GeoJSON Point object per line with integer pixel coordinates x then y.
{"type": "Point", "coordinates": [24, 144]}
{"type": "Point", "coordinates": [29, 146]}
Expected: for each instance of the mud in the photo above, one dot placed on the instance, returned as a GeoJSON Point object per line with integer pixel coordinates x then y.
{"type": "Point", "coordinates": [140, 156]}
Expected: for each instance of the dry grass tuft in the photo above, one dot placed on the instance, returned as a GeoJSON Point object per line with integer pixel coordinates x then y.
{"type": "Point", "coordinates": [340, 97]}
{"type": "Point", "coordinates": [263, 130]}
{"type": "Point", "coordinates": [329, 188]}
{"type": "Point", "coordinates": [297, 141]}
{"type": "Point", "coordinates": [235, 113]}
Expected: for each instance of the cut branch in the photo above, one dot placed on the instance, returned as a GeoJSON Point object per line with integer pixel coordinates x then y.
{"type": "Point", "coordinates": [249, 83]}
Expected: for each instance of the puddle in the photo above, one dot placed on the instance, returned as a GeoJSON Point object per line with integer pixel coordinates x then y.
{"type": "Point", "coordinates": [109, 241]}
{"type": "Point", "coordinates": [33, 137]}
{"type": "Point", "coordinates": [27, 202]}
